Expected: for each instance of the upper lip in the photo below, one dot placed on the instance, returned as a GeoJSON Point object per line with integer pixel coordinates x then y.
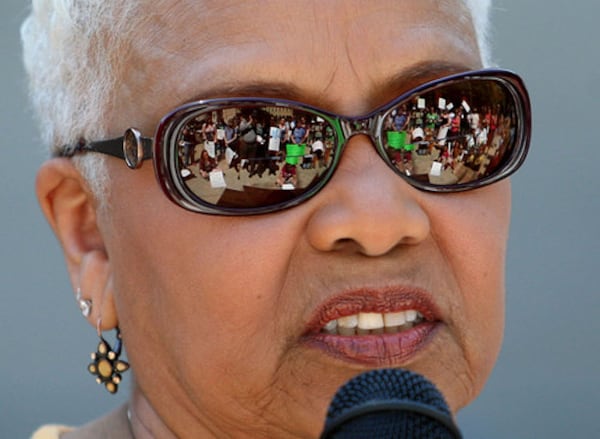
{"type": "Point", "coordinates": [377, 300]}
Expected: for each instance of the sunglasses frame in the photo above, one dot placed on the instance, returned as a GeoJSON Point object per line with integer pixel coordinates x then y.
{"type": "Point", "coordinates": [134, 148]}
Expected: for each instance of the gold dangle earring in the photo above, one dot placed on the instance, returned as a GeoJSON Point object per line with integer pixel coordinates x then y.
{"type": "Point", "coordinates": [106, 365]}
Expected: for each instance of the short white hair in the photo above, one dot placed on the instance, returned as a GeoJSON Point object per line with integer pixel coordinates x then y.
{"type": "Point", "coordinates": [480, 15]}
{"type": "Point", "coordinates": [74, 51]}
{"type": "Point", "coordinates": [71, 52]}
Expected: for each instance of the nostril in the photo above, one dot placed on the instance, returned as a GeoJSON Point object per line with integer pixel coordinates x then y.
{"type": "Point", "coordinates": [351, 245]}
{"type": "Point", "coordinates": [346, 243]}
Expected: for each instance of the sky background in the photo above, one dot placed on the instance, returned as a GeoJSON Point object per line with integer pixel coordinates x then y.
{"type": "Point", "coordinates": [546, 383]}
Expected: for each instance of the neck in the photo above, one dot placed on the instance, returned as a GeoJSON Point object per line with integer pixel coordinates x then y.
{"type": "Point", "coordinates": [145, 422]}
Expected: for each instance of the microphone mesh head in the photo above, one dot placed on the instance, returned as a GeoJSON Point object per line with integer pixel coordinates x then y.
{"type": "Point", "coordinates": [387, 386]}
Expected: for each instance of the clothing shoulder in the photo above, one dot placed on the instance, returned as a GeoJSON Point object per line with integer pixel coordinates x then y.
{"type": "Point", "coordinates": [51, 432]}
{"type": "Point", "coordinates": [114, 425]}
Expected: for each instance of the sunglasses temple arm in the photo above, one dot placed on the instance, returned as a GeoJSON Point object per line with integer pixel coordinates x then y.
{"type": "Point", "coordinates": [147, 144]}
{"type": "Point", "coordinates": [112, 147]}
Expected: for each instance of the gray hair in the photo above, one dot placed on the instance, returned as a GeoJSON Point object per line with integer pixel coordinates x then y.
{"type": "Point", "coordinates": [480, 14]}
{"type": "Point", "coordinates": [72, 94]}
{"type": "Point", "coordinates": [72, 51]}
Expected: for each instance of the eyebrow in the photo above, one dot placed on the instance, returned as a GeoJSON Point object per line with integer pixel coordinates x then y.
{"type": "Point", "coordinates": [400, 82]}
{"type": "Point", "coordinates": [414, 75]}
{"type": "Point", "coordinates": [422, 72]}
{"type": "Point", "coordinates": [249, 88]}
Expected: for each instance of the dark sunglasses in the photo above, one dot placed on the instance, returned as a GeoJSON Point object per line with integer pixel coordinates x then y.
{"type": "Point", "coordinates": [245, 156]}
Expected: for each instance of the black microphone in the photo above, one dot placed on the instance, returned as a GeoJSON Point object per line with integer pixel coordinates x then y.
{"type": "Point", "coordinates": [386, 404]}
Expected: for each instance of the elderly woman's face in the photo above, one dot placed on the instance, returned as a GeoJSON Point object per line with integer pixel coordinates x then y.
{"type": "Point", "coordinates": [221, 316]}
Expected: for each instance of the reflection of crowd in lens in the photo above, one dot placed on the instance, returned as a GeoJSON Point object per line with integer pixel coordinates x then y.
{"type": "Point", "coordinates": [447, 142]}
{"type": "Point", "coordinates": [434, 138]}
{"type": "Point", "coordinates": [279, 144]}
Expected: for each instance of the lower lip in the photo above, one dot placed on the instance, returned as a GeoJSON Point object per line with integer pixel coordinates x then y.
{"type": "Point", "coordinates": [376, 350]}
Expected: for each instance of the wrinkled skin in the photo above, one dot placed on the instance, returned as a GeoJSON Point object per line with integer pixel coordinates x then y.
{"type": "Point", "coordinates": [213, 310]}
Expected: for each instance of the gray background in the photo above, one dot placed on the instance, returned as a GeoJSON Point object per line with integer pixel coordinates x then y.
{"type": "Point", "coordinates": [546, 383]}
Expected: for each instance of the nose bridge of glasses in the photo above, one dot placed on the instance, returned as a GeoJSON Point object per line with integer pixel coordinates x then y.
{"type": "Point", "coordinates": [366, 126]}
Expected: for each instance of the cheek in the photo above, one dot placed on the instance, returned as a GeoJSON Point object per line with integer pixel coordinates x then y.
{"type": "Point", "coordinates": [200, 292]}
{"type": "Point", "coordinates": [197, 277]}
{"type": "Point", "coordinates": [471, 231]}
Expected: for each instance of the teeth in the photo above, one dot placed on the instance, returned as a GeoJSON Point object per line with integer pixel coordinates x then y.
{"type": "Point", "coordinates": [331, 327]}
{"type": "Point", "coordinates": [411, 315]}
{"type": "Point", "coordinates": [366, 323]}
{"type": "Point", "coordinates": [370, 320]}
{"type": "Point", "coordinates": [346, 331]}
{"type": "Point", "coordinates": [394, 318]}
{"type": "Point", "coordinates": [348, 321]}
{"type": "Point", "coordinates": [347, 325]}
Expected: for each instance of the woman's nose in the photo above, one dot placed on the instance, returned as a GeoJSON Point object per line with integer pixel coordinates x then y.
{"type": "Point", "coordinates": [366, 207]}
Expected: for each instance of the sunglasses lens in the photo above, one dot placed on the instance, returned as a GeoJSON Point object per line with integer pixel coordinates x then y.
{"type": "Point", "coordinates": [252, 156]}
{"type": "Point", "coordinates": [456, 135]}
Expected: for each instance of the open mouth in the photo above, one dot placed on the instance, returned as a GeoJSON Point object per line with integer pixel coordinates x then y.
{"type": "Point", "coordinates": [370, 323]}
{"type": "Point", "coordinates": [375, 327]}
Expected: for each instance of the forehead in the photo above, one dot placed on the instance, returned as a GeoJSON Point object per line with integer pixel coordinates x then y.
{"type": "Point", "coordinates": [314, 51]}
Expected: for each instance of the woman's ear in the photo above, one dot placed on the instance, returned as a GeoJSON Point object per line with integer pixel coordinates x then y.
{"type": "Point", "coordinates": [71, 210]}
